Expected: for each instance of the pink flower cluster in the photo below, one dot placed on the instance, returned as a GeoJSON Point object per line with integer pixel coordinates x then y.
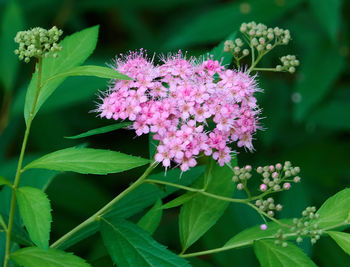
{"type": "Point", "coordinates": [191, 107]}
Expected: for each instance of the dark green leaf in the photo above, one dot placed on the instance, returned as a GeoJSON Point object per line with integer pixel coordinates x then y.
{"type": "Point", "coordinates": [87, 160]}
{"type": "Point", "coordinates": [35, 257]}
{"type": "Point", "coordinates": [151, 220]}
{"type": "Point", "coordinates": [11, 23]}
{"type": "Point", "coordinates": [89, 70]}
{"type": "Point", "coordinates": [342, 239]}
{"type": "Point", "coordinates": [101, 130]}
{"type": "Point", "coordinates": [335, 210]}
{"type": "Point", "coordinates": [129, 245]}
{"type": "Point", "coordinates": [218, 52]}
{"type": "Point", "coordinates": [179, 200]}
{"type": "Point", "coordinates": [328, 13]}
{"type": "Point", "coordinates": [4, 181]}
{"type": "Point", "coordinates": [76, 48]}
{"type": "Point", "coordinates": [35, 210]}
{"type": "Point", "coordinates": [152, 145]}
{"type": "Point", "coordinates": [271, 255]}
{"type": "Point", "coordinates": [199, 214]}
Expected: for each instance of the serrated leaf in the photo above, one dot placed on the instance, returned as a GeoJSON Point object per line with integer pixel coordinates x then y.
{"type": "Point", "coordinates": [35, 210]}
{"type": "Point", "coordinates": [89, 70]}
{"type": "Point", "coordinates": [150, 221]}
{"type": "Point", "coordinates": [199, 214]}
{"type": "Point", "coordinates": [101, 130]}
{"type": "Point", "coordinates": [35, 257]}
{"type": "Point", "coordinates": [179, 200]}
{"type": "Point", "coordinates": [87, 160]}
{"type": "Point", "coordinates": [342, 239]}
{"type": "Point", "coordinates": [129, 245]}
{"type": "Point", "coordinates": [328, 13]}
{"type": "Point", "coordinates": [76, 48]}
{"type": "Point", "coordinates": [271, 255]}
{"type": "Point", "coordinates": [4, 181]}
{"type": "Point", "coordinates": [218, 52]}
{"type": "Point", "coordinates": [11, 23]}
{"type": "Point", "coordinates": [335, 210]}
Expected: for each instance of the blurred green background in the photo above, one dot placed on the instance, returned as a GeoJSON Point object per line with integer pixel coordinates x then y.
{"type": "Point", "coordinates": [306, 116]}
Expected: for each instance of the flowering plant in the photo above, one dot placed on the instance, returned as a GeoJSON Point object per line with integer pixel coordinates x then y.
{"type": "Point", "coordinates": [197, 112]}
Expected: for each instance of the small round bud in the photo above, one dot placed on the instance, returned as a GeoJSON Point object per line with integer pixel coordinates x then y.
{"type": "Point", "coordinates": [296, 179]}
{"type": "Point", "coordinates": [248, 168]}
{"type": "Point", "coordinates": [291, 70]}
{"type": "Point", "coordinates": [259, 170]}
{"type": "Point", "coordinates": [270, 213]}
{"type": "Point", "coordinates": [286, 186]}
{"type": "Point", "coordinates": [279, 68]}
{"type": "Point", "coordinates": [276, 187]}
{"type": "Point", "coordinates": [240, 186]}
{"type": "Point", "coordinates": [284, 244]}
{"type": "Point", "coordinates": [263, 227]}
{"type": "Point", "coordinates": [274, 175]}
{"type": "Point", "coordinates": [235, 179]}
{"type": "Point", "coordinates": [268, 46]}
{"type": "Point", "coordinates": [299, 239]}
{"type": "Point", "coordinates": [279, 207]}
{"type": "Point", "coordinates": [266, 175]}
{"type": "Point", "coordinates": [263, 187]}
{"type": "Point", "coordinates": [245, 52]}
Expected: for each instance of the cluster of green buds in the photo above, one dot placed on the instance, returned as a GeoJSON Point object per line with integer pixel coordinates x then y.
{"type": "Point", "coordinates": [241, 176]}
{"type": "Point", "coordinates": [38, 43]}
{"type": "Point", "coordinates": [305, 226]}
{"type": "Point", "coordinates": [289, 63]}
{"type": "Point", "coordinates": [261, 39]}
{"type": "Point", "coordinates": [268, 206]}
{"type": "Point", "coordinates": [278, 177]}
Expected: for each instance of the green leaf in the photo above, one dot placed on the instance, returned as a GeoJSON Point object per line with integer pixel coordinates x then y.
{"type": "Point", "coordinates": [151, 220]}
{"type": "Point", "coordinates": [199, 214]}
{"type": "Point", "coordinates": [11, 23]}
{"type": "Point", "coordinates": [179, 200]}
{"type": "Point", "coordinates": [87, 160]}
{"type": "Point", "coordinates": [335, 210]}
{"type": "Point", "coordinates": [90, 70]}
{"type": "Point", "coordinates": [271, 255]}
{"type": "Point", "coordinates": [35, 209]}
{"type": "Point", "coordinates": [328, 13]}
{"type": "Point", "coordinates": [35, 257]}
{"type": "Point", "coordinates": [129, 245]}
{"type": "Point", "coordinates": [218, 52]}
{"type": "Point", "coordinates": [248, 236]}
{"type": "Point", "coordinates": [4, 181]}
{"type": "Point", "coordinates": [310, 86]}
{"type": "Point", "coordinates": [76, 48]}
{"type": "Point", "coordinates": [101, 130]}
{"type": "Point", "coordinates": [342, 239]}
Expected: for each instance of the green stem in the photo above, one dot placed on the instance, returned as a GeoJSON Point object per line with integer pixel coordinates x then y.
{"type": "Point", "coordinates": [264, 69]}
{"type": "Point", "coordinates": [248, 243]}
{"type": "Point", "coordinates": [105, 208]}
{"type": "Point", "coordinates": [19, 167]}
{"type": "Point", "coordinates": [200, 191]}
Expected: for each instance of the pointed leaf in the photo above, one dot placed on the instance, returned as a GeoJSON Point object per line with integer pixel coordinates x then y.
{"type": "Point", "coordinates": [179, 200]}
{"type": "Point", "coordinates": [11, 23]}
{"type": "Point", "coordinates": [4, 181]}
{"type": "Point", "coordinates": [342, 239]}
{"type": "Point", "coordinates": [35, 210]}
{"type": "Point", "coordinates": [35, 257]}
{"type": "Point", "coordinates": [87, 160]}
{"type": "Point", "coordinates": [101, 130]}
{"type": "Point", "coordinates": [129, 245]}
{"type": "Point", "coordinates": [271, 255]}
{"type": "Point", "coordinates": [199, 214]}
{"type": "Point", "coordinates": [90, 70]}
{"type": "Point", "coordinates": [218, 52]}
{"type": "Point", "coordinates": [150, 221]}
{"type": "Point", "coordinates": [76, 48]}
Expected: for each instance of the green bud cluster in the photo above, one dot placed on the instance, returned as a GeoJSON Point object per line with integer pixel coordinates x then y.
{"type": "Point", "coordinates": [305, 226]}
{"type": "Point", "coordinates": [289, 63]}
{"type": "Point", "coordinates": [38, 43]}
{"type": "Point", "coordinates": [280, 238]}
{"type": "Point", "coordinates": [268, 206]}
{"type": "Point", "coordinates": [236, 48]}
{"type": "Point", "coordinates": [241, 176]}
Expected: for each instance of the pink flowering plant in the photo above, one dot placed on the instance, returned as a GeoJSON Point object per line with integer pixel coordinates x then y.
{"type": "Point", "coordinates": [198, 113]}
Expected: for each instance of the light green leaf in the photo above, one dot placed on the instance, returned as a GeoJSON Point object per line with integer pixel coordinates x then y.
{"type": "Point", "coordinates": [335, 210]}
{"type": "Point", "coordinates": [87, 160]}
{"type": "Point", "coordinates": [199, 214]}
{"type": "Point", "coordinates": [179, 200]}
{"type": "Point", "coordinates": [218, 52]}
{"type": "Point", "coordinates": [11, 23]}
{"type": "Point", "coordinates": [89, 70]}
{"type": "Point", "coordinates": [342, 239]}
{"type": "Point", "coordinates": [35, 210]}
{"type": "Point", "coordinates": [311, 88]}
{"type": "Point", "coordinates": [129, 245]}
{"type": "Point", "coordinates": [76, 48]}
{"type": "Point", "coordinates": [35, 257]}
{"type": "Point", "coordinates": [101, 130]}
{"type": "Point", "coordinates": [271, 255]}
{"type": "Point", "coordinates": [150, 221]}
{"type": "Point", "coordinates": [328, 13]}
{"type": "Point", "coordinates": [4, 181]}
